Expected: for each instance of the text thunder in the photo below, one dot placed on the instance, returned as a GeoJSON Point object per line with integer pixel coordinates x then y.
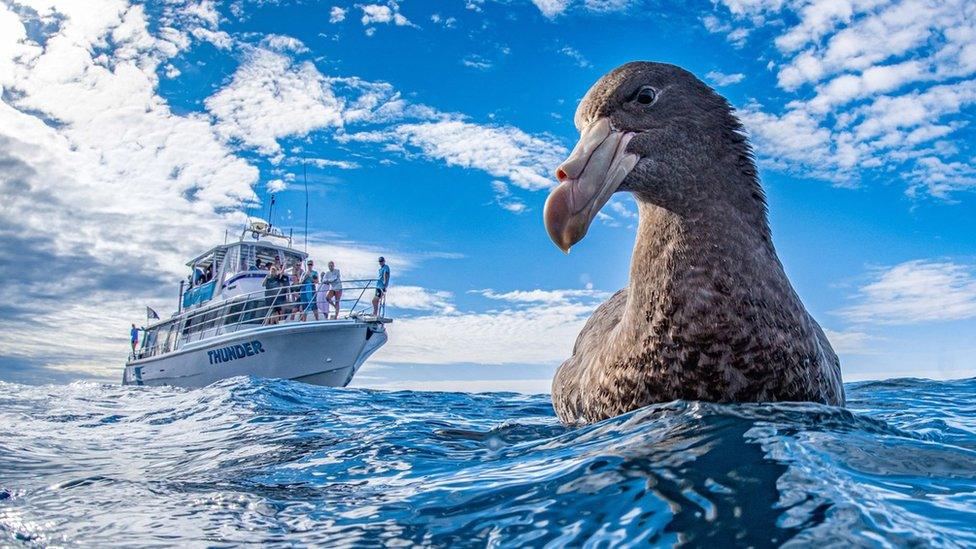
{"type": "Point", "coordinates": [226, 354]}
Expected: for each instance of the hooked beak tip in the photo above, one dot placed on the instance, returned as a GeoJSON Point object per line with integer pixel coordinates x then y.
{"type": "Point", "coordinates": [559, 219]}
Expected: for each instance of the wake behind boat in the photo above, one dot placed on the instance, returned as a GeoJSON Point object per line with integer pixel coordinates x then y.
{"type": "Point", "coordinates": [229, 324]}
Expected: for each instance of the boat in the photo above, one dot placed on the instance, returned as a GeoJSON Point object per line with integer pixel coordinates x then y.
{"type": "Point", "coordinates": [227, 324]}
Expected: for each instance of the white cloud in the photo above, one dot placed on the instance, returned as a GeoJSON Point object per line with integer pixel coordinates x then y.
{"type": "Point", "coordinates": [554, 8]}
{"type": "Point", "coordinates": [328, 163]}
{"type": "Point", "coordinates": [735, 35]}
{"type": "Point", "coordinates": [722, 79]}
{"type": "Point", "coordinates": [78, 172]}
{"type": "Point", "coordinates": [622, 211]}
{"type": "Point", "coordinates": [543, 296]}
{"type": "Point", "coordinates": [270, 97]}
{"type": "Point", "coordinates": [365, 102]}
{"type": "Point", "coordinates": [534, 327]}
{"type": "Point", "coordinates": [276, 186]}
{"type": "Point", "coordinates": [607, 219]}
{"type": "Point", "coordinates": [357, 260]}
{"type": "Point", "coordinates": [476, 62]}
{"type": "Point", "coordinates": [384, 14]}
{"type": "Point", "coordinates": [219, 39]}
{"type": "Point", "coordinates": [607, 5]}
{"type": "Point", "coordinates": [849, 342]}
{"type": "Point", "coordinates": [940, 178]}
{"type": "Point", "coordinates": [879, 79]}
{"type": "Point", "coordinates": [870, 38]}
{"type": "Point", "coordinates": [576, 56]}
{"type": "Point", "coordinates": [914, 292]}
{"type": "Point", "coordinates": [502, 151]}
{"type": "Point", "coordinates": [337, 14]}
{"type": "Point", "coordinates": [420, 299]}
{"type": "Point", "coordinates": [915, 109]}
{"type": "Point", "coordinates": [794, 137]}
{"type": "Point", "coordinates": [514, 206]}
{"type": "Point", "coordinates": [446, 22]}
{"type": "Point", "coordinates": [282, 43]}
{"type": "Point", "coordinates": [543, 334]}
{"type": "Point", "coordinates": [504, 198]}
{"type": "Point", "coordinates": [876, 86]}
{"type": "Point", "coordinates": [551, 8]}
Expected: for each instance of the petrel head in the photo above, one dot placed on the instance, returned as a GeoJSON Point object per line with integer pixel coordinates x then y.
{"type": "Point", "coordinates": [646, 128]}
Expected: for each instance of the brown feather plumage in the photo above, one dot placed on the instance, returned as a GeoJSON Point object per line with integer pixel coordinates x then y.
{"type": "Point", "coordinates": [708, 313]}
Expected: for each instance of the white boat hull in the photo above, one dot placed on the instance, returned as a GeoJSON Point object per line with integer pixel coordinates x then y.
{"type": "Point", "coordinates": [318, 352]}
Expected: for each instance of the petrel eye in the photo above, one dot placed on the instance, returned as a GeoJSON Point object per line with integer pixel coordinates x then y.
{"type": "Point", "coordinates": [646, 95]}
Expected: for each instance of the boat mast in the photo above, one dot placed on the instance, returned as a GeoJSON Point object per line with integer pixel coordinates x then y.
{"type": "Point", "coordinates": [305, 176]}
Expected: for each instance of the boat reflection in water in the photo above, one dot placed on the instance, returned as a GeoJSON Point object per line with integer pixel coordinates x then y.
{"type": "Point", "coordinates": [229, 325]}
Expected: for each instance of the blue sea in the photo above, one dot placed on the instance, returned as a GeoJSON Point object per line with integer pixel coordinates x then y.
{"type": "Point", "coordinates": [251, 461]}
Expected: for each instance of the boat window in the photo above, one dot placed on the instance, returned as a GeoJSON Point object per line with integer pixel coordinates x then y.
{"type": "Point", "coordinates": [266, 254]}
{"type": "Point", "coordinates": [149, 342]}
{"type": "Point", "coordinates": [169, 344]}
{"type": "Point", "coordinates": [213, 319]}
{"type": "Point", "coordinates": [203, 271]}
{"type": "Point", "coordinates": [249, 253]}
{"type": "Point", "coordinates": [291, 259]}
{"type": "Point", "coordinates": [189, 324]}
{"type": "Point", "coordinates": [246, 257]}
{"type": "Point", "coordinates": [232, 260]}
{"type": "Point", "coordinates": [250, 311]}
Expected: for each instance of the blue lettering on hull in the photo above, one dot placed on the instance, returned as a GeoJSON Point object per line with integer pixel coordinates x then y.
{"type": "Point", "coordinates": [234, 352]}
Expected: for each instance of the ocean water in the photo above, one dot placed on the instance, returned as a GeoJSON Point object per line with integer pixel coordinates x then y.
{"type": "Point", "coordinates": [278, 462]}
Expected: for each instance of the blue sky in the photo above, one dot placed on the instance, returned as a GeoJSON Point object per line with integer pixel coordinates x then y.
{"type": "Point", "coordinates": [133, 135]}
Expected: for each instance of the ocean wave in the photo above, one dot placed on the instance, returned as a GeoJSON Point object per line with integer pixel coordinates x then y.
{"type": "Point", "coordinates": [278, 462]}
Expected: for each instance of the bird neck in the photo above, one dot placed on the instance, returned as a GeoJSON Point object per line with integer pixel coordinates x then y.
{"type": "Point", "coordinates": [682, 264]}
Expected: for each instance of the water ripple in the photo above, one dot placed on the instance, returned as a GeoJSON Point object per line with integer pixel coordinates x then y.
{"type": "Point", "coordinates": [281, 463]}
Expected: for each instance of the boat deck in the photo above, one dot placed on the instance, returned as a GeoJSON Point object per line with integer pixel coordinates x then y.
{"type": "Point", "coordinates": [255, 310]}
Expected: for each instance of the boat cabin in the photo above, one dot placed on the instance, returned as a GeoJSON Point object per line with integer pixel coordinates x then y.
{"type": "Point", "coordinates": [232, 269]}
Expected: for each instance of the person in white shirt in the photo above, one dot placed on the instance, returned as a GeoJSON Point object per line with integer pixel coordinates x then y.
{"type": "Point", "coordinates": [321, 302]}
{"type": "Point", "coordinates": [333, 282]}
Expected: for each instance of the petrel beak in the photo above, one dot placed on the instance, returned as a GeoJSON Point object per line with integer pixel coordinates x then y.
{"type": "Point", "coordinates": [587, 179]}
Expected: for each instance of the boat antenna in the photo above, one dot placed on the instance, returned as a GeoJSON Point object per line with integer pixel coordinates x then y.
{"type": "Point", "coordinates": [305, 175]}
{"type": "Point", "coordinates": [270, 210]}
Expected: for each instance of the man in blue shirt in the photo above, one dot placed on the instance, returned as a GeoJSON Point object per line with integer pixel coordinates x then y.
{"type": "Point", "coordinates": [382, 283]}
{"type": "Point", "coordinates": [134, 337]}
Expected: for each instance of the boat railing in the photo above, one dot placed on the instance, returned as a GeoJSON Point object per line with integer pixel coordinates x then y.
{"type": "Point", "coordinates": [268, 307]}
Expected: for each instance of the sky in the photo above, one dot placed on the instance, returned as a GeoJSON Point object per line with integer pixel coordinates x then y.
{"type": "Point", "coordinates": [133, 135]}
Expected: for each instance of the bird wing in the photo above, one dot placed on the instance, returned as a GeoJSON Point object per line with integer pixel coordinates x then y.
{"type": "Point", "coordinates": [833, 383]}
{"type": "Point", "coordinates": [592, 338]}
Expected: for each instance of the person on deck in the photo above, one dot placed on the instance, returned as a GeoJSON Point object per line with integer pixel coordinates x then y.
{"type": "Point", "coordinates": [273, 295]}
{"type": "Point", "coordinates": [332, 283]}
{"type": "Point", "coordinates": [294, 280]}
{"type": "Point", "coordinates": [382, 283]}
{"type": "Point", "coordinates": [256, 266]}
{"type": "Point", "coordinates": [134, 337]}
{"type": "Point", "coordinates": [306, 299]}
{"type": "Point", "coordinates": [321, 303]}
